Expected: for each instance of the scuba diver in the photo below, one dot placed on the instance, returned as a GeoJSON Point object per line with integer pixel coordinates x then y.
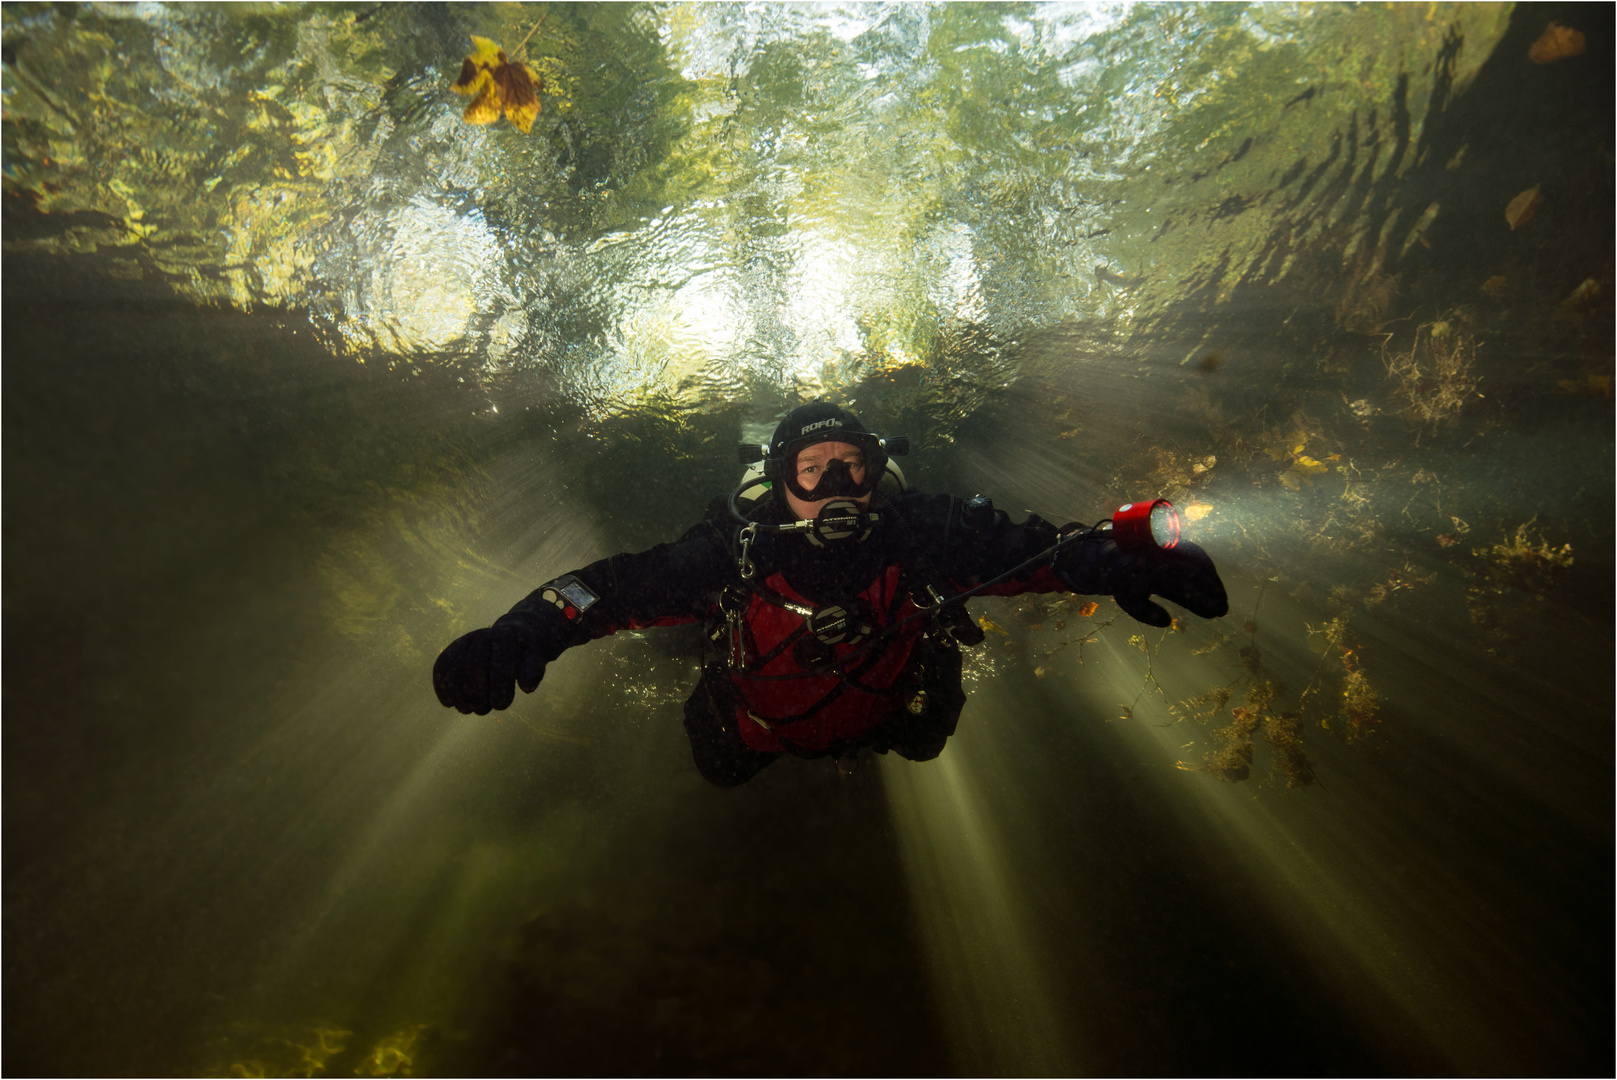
{"type": "Point", "coordinates": [837, 598]}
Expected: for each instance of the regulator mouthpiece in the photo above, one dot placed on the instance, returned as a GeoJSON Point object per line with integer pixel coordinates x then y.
{"type": "Point", "coordinates": [1146, 526]}
{"type": "Point", "coordinates": [839, 520]}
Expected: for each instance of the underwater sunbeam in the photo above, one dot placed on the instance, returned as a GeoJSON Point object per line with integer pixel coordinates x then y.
{"type": "Point", "coordinates": [974, 914]}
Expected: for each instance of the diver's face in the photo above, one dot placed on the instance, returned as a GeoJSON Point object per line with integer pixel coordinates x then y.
{"type": "Point", "coordinates": [810, 467]}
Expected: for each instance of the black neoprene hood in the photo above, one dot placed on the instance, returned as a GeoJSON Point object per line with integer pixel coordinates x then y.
{"type": "Point", "coordinates": [819, 422]}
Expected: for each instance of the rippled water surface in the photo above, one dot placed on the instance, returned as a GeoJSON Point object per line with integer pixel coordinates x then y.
{"type": "Point", "coordinates": [306, 375]}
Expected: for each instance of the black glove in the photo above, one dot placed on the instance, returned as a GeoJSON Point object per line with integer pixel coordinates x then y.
{"type": "Point", "coordinates": [476, 673]}
{"type": "Point", "coordinates": [1184, 574]}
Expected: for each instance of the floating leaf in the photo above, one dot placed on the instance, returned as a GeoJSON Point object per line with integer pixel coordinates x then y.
{"type": "Point", "coordinates": [1197, 510]}
{"type": "Point", "coordinates": [1523, 207]}
{"type": "Point", "coordinates": [495, 84]}
{"type": "Point", "coordinates": [1586, 294]}
{"type": "Point", "coordinates": [1557, 42]}
{"type": "Point", "coordinates": [1088, 609]}
{"type": "Point", "coordinates": [989, 624]}
{"type": "Point", "coordinates": [1301, 469]}
{"type": "Point", "coordinates": [1307, 466]}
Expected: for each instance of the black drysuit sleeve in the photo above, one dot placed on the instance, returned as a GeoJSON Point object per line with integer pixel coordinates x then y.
{"type": "Point", "coordinates": [1091, 564]}
{"type": "Point", "coordinates": [964, 556]}
{"type": "Point", "coordinates": [664, 585]}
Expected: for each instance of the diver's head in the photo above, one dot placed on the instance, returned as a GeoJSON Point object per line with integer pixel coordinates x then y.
{"type": "Point", "coordinates": [823, 466]}
{"type": "Point", "coordinates": [822, 452]}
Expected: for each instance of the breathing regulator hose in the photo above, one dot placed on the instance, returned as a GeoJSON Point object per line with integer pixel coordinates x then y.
{"type": "Point", "coordinates": [1079, 534]}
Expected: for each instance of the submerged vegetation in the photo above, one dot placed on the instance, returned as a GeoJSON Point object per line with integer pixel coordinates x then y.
{"type": "Point", "coordinates": [1436, 373]}
{"type": "Point", "coordinates": [331, 1051]}
{"type": "Point", "coordinates": [1524, 565]}
{"type": "Point", "coordinates": [1354, 501]}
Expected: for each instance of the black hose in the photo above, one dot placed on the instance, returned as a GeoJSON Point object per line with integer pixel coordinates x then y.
{"type": "Point", "coordinates": [958, 598]}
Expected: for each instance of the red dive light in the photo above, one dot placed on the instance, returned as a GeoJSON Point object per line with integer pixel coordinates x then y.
{"type": "Point", "coordinates": [1146, 526]}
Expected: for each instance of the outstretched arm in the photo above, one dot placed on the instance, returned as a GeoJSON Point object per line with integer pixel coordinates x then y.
{"type": "Point", "coordinates": [979, 546]}
{"type": "Point", "coordinates": [663, 586]}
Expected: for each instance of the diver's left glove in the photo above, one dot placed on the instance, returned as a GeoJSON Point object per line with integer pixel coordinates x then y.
{"type": "Point", "coordinates": [481, 670]}
{"type": "Point", "coordinates": [1184, 574]}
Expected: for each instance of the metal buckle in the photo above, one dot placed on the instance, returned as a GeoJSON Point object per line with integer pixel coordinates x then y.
{"type": "Point", "coordinates": [744, 560]}
{"type": "Point", "coordinates": [733, 602]}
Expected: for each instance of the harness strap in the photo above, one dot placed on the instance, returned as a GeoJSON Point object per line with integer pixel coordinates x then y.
{"type": "Point", "coordinates": [851, 678]}
{"type": "Point", "coordinates": [844, 682]}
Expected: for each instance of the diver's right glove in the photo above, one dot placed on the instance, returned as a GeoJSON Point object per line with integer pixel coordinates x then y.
{"type": "Point", "coordinates": [1184, 574]}
{"type": "Point", "coordinates": [480, 671]}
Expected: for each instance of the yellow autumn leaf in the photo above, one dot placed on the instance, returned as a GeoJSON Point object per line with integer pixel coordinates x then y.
{"type": "Point", "coordinates": [476, 71]}
{"type": "Point", "coordinates": [1523, 207]}
{"type": "Point", "coordinates": [1307, 466]}
{"type": "Point", "coordinates": [485, 107]}
{"type": "Point", "coordinates": [1585, 295]}
{"type": "Point", "coordinates": [496, 85]}
{"type": "Point", "coordinates": [487, 51]}
{"type": "Point", "coordinates": [1557, 42]}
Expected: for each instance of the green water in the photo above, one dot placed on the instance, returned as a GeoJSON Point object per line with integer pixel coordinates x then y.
{"type": "Point", "coordinates": [304, 376]}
